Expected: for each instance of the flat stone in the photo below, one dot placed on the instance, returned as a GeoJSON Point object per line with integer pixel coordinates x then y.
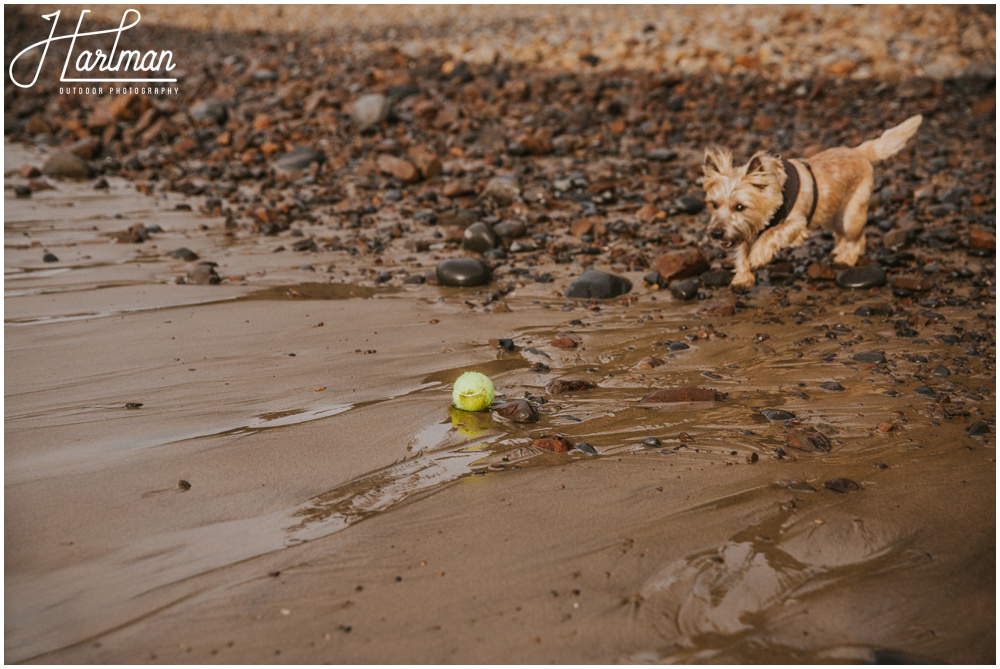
{"type": "Point", "coordinates": [777, 415]}
{"type": "Point", "coordinates": [400, 168]}
{"type": "Point", "coordinates": [870, 357]}
{"type": "Point", "coordinates": [865, 276]}
{"type": "Point", "coordinates": [463, 272]}
{"type": "Point", "coordinates": [598, 285]}
{"type": "Point", "coordinates": [809, 439]}
{"type": "Point", "coordinates": [299, 159]}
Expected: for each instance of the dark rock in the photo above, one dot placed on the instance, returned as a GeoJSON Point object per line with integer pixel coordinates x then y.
{"type": "Point", "coordinates": [719, 278]}
{"type": "Point", "coordinates": [210, 111]}
{"type": "Point", "coordinates": [685, 289]}
{"type": "Point", "coordinates": [479, 237]}
{"type": "Point", "coordinates": [584, 447]}
{"type": "Point", "coordinates": [50, 257]}
{"type": "Point", "coordinates": [865, 276]}
{"type": "Point", "coordinates": [870, 357]}
{"type": "Point", "coordinates": [370, 110]}
{"type": "Point", "coordinates": [598, 285]}
{"type": "Point", "coordinates": [808, 439]}
{"type": "Point", "coordinates": [519, 411]}
{"type": "Point", "coordinates": [560, 386]}
{"type": "Point", "coordinates": [691, 204]}
{"type": "Point", "coordinates": [831, 386]}
{"type": "Point", "coordinates": [841, 485]}
{"type": "Point", "coordinates": [183, 253]}
{"type": "Point", "coordinates": [556, 443]}
{"type": "Point", "coordinates": [299, 159]}
{"type": "Point", "coordinates": [925, 390]}
{"type": "Point", "coordinates": [651, 442]}
{"type": "Point", "coordinates": [681, 265]}
{"type": "Point", "coordinates": [463, 272]}
{"type": "Point", "coordinates": [682, 394]}
{"type": "Point", "coordinates": [510, 229]}
{"type": "Point", "coordinates": [135, 234]}
{"type": "Point", "coordinates": [777, 414]}
{"type": "Point", "coordinates": [22, 191]}
{"type": "Point", "coordinates": [977, 428]}
{"type": "Point", "coordinates": [66, 165]}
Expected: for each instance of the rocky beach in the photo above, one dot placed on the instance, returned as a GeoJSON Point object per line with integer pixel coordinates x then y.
{"type": "Point", "coordinates": [235, 306]}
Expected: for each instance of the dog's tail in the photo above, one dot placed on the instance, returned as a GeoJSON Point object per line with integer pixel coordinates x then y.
{"type": "Point", "coordinates": [891, 141]}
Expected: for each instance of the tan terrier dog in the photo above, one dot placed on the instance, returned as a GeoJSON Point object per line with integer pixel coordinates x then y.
{"type": "Point", "coordinates": [772, 203]}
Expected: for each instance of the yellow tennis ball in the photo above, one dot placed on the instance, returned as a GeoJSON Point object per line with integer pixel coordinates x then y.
{"type": "Point", "coordinates": [473, 391]}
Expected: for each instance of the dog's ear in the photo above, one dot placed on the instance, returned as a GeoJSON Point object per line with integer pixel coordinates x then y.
{"type": "Point", "coordinates": [761, 170]}
{"type": "Point", "coordinates": [756, 163]}
{"type": "Point", "coordinates": [717, 161]}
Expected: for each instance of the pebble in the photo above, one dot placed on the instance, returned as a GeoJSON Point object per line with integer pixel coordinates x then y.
{"type": "Point", "coordinates": [400, 168]}
{"type": "Point", "coordinates": [462, 272]}
{"type": "Point", "coordinates": [651, 442]}
{"type": "Point", "coordinates": [502, 189]}
{"type": "Point", "coordinates": [370, 110]}
{"type": "Point", "coordinates": [519, 411]}
{"type": "Point", "coordinates": [598, 285]}
{"type": "Point", "coordinates": [479, 238]}
{"type": "Point", "coordinates": [870, 357]}
{"type": "Point", "coordinates": [832, 386]}
{"type": "Point", "coordinates": [299, 159]}
{"type": "Point", "coordinates": [691, 204]}
{"type": "Point", "coordinates": [184, 253]}
{"type": "Point", "coordinates": [685, 289]}
{"type": "Point", "coordinates": [210, 112]}
{"type": "Point", "coordinates": [66, 165]}
{"type": "Point", "coordinates": [50, 257]}
{"type": "Point", "coordinates": [977, 428]}
{"type": "Point", "coordinates": [681, 265]}
{"type": "Point", "coordinates": [841, 485]}
{"type": "Point", "coordinates": [865, 276]}
{"type": "Point", "coordinates": [585, 447]}
{"type": "Point", "coordinates": [556, 443]}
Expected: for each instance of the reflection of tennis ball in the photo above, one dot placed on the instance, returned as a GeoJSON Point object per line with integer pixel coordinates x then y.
{"type": "Point", "coordinates": [473, 391]}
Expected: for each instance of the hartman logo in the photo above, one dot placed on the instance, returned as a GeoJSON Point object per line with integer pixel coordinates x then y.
{"type": "Point", "coordinates": [87, 63]}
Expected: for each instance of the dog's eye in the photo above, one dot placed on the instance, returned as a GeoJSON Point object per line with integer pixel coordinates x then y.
{"type": "Point", "coordinates": [739, 207]}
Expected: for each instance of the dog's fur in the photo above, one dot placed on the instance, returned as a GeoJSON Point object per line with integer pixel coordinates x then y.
{"type": "Point", "coordinates": [743, 200]}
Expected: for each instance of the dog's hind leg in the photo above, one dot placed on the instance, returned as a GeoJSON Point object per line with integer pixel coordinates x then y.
{"type": "Point", "coordinates": [850, 237]}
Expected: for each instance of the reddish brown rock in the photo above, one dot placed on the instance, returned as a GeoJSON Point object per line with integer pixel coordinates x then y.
{"type": "Point", "coordinates": [980, 239]}
{"type": "Point", "coordinates": [682, 394]}
{"type": "Point", "coordinates": [681, 265]}
{"type": "Point", "coordinates": [555, 443]}
{"type": "Point", "coordinates": [400, 168]}
{"type": "Point", "coordinates": [912, 283]}
{"type": "Point", "coordinates": [426, 161]}
{"type": "Point", "coordinates": [458, 187]}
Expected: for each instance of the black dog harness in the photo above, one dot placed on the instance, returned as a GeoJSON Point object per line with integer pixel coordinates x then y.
{"type": "Point", "coordinates": [790, 194]}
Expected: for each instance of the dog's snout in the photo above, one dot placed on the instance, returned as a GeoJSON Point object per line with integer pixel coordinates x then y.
{"type": "Point", "coordinates": [717, 233]}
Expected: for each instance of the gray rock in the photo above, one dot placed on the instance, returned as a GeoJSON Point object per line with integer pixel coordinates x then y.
{"type": "Point", "coordinates": [370, 110]}
{"type": "Point", "coordinates": [684, 289]}
{"type": "Point", "coordinates": [299, 159]}
{"type": "Point", "coordinates": [203, 274]}
{"type": "Point", "coordinates": [598, 285]}
{"type": "Point", "coordinates": [502, 189]}
{"type": "Point", "coordinates": [479, 237]}
{"type": "Point", "coordinates": [210, 111]}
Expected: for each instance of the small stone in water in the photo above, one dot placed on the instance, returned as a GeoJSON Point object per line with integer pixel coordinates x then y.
{"type": "Point", "coordinates": [809, 439]}
{"type": "Point", "coordinates": [479, 237]}
{"type": "Point", "coordinates": [519, 411]}
{"type": "Point", "coordinates": [556, 443]}
{"type": "Point", "coordinates": [832, 386]}
{"type": "Point", "coordinates": [651, 442]}
{"type": "Point", "coordinates": [586, 448]}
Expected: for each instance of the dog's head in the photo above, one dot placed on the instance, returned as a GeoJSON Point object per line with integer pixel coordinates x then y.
{"type": "Point", "coordinates": [742, 199]}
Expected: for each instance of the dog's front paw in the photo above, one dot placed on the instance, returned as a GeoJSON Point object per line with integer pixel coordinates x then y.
{"type": "Point", "coordinates": [742, 282]}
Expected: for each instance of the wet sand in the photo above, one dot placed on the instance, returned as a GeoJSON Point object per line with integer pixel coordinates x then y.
{"type": "Point", "coordinates": [294, 488]}
{"type": "Point", "coordinates": [337, 513]}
